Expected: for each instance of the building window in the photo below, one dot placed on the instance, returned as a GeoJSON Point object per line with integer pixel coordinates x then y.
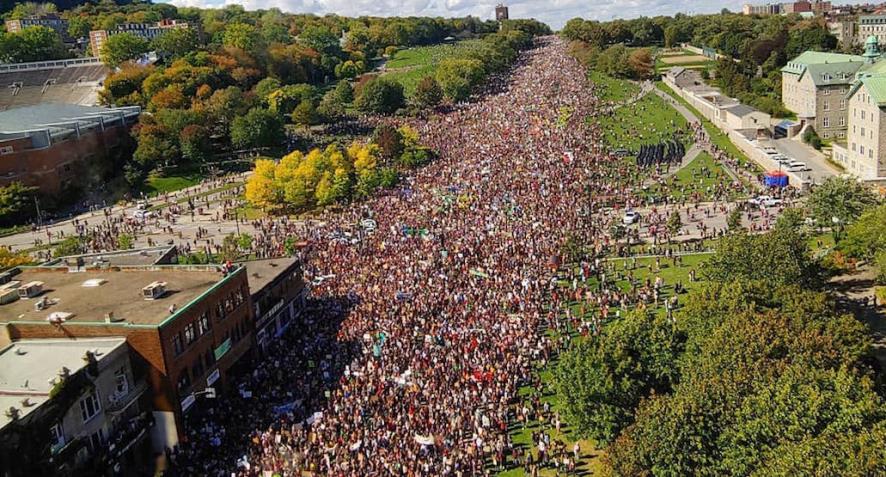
{"type": "Point", "coordinates": [842, 104]}
{"type": "Point", "coordinates": [853, 147]}
{"type": "Point", "coordinates": [89, 406]}
{"type": "Point", "coordinates": [184, 380]}
{"type": "Point", "coordinates": [210, 358]}
{"type": "Point", "coordinates": [177, 346]}
{"type": "Point", "coordinates": [56, 436]}
{"type": "Point", "coordinates": [121, 385]}
{"type": "Point", "coordinates": [204, 324]}
{"type": "Point", "coordinates": [190, 333]}
{"type": "Point", "coordinates": [220, 310]}
{"type": "Point", "coordinates": [826, 106]}
{"type": "Point", "coordinates": [871, 153]}
{"type": "Point", "coordinates": [826, 122]}
{"type": "Point", "coordinates": [862, 132]}
{"type": "Point", "coordinates": [861, 149]}
{"type": "Point", "coordinates": [842, 121]}
{"type": "Point", "coordinates": [827, 135]}
{"type": "Point", "coordinates": [96, 441]}
{"type": "Point", "coordinates": [198, 369]}
{"type": "Point", "coordinates": [825, 91]}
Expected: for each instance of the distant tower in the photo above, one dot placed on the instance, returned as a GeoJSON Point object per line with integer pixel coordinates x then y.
{"type": "Point", "coordinates": [871, 49]}
{"type": "Point", "coordinates": [501, 12]}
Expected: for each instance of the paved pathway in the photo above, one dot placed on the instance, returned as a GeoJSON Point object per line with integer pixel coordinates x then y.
{"type": "Point", "coordinates": [692, 118]}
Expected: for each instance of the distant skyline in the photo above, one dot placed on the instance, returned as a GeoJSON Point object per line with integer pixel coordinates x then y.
{"type": "Point", "coordinates": [553, 12]}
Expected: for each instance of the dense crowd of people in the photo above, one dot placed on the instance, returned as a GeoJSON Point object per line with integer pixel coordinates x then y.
{"type": "Point", "coordinates": [425, 324]}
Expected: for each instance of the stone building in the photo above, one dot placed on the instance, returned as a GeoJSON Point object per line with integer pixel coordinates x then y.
{"type": "Point", "coordinates": [814, 87]}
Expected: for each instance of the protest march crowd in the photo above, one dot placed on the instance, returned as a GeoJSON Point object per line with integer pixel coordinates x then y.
{"type": "Point", "coordinates": [425, 324]}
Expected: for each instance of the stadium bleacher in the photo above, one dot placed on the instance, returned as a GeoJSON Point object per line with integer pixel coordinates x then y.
{"type": "Point", "coordinates": [75, 81]}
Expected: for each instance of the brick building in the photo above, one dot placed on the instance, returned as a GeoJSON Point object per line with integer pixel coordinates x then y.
{"type": "Point", "coordinates": [51, 146]}
{"type": "Point", "coordinates": [796, 7]}
{"type": "Point", "coordinates": [147, 31]}
{"type": "Point", "coordinates": [186, 325]}
{"type": "Point", "coordinates": [60, 25]}
{"type": "Point", "coordinates": [278, 296]}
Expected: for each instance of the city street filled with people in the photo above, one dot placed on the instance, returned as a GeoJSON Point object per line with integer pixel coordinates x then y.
{"type": "Point", "coordinates": [425, 326]}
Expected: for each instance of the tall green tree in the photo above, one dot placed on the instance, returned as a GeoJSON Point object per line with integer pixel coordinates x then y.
{"type": "Point", "coordinates": [258, 128]}
{"type": "Point", "coordinates": [123, 47]}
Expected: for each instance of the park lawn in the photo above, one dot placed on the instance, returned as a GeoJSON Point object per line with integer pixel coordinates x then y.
{"type": "Point", "coordinates": [409, 66]}
{"type": "Point", "coordinates": [410, 77]}
{"type": "Point", "coordinates": [591, 456]}
{"type": "Point", "coordinates": [701, 176]}
{"type": "Point", "coordinates": [250, 212]}
{"type": "Point", "coordinates": [613, 89]}
{"type": "Point", "coordinates": [590, 462]}
{"type": "Point", "coordinates": [162, 185]}
{"type": "Point", "coordinates": [718, 137]}
{"type": "Point", "coordinates": [668, 272]}
{"type": "Point", "coordinates": [648, 121]}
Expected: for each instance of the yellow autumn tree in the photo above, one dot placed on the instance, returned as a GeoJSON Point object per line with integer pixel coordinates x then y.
{"type": "Point", "coordinates": [9, 259]}
{"type": "Point", "coordinates": [261, 187]}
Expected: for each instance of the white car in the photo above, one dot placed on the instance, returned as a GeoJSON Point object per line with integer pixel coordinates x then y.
{"type": "Point", "coordinates": [143, 214]}
{"type": "Point", "coordinates": [770, 150]}
{"type": "Point", "coordinates": [631, 217]}
{"type": "Point", "coordinates": [797, 167]}
{"type": "Point", "coordinates": [765, 201]}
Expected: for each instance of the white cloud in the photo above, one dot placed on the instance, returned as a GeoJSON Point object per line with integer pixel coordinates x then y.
{"type": "Point", "coordinates": [552, 12]}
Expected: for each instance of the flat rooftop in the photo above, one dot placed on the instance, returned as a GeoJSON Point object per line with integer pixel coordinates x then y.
{"type": "Point", "coordinates": [27, 366]}
{"type": "Point", "coordinates": [29, 117]}
{"type": "Point", "coordinates": [120, 293]}
{"type": "Point", "coordinates": [262, 272]}
{"type": "Point", "coordinates": [145, 256]}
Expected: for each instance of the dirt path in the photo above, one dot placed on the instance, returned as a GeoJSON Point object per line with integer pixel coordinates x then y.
{"type": "Point", "coordinates": [855, 293]}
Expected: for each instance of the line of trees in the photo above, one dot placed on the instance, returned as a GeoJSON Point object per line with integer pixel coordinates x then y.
{"type": "Point", "coordinates": [763, 44]}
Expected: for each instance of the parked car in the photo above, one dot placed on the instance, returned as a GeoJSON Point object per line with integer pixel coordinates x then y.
{"type": "Point", "coordinates": [631, 217]}
{"type": "Point", "coordinates": [797, 167]}
{"type": "Point", "coordinates": [770, 150]}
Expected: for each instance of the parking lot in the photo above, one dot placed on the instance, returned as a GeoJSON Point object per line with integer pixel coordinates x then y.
{"type": "Point", "coordinates": [819, 168]}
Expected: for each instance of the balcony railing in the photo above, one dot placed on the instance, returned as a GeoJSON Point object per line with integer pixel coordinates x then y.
{"type": "Point", "coordinates": [119, 403]}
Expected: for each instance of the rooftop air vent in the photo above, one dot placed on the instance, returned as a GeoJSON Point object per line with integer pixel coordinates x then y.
{"type": "Point", "coordinates": [94, 282]}
{"type": "Point", "coordinates": [154, 291]}
{"type": "Point", "coordinates": [8, 295]}
{"type": "Point", "coordinates": [30, 290]}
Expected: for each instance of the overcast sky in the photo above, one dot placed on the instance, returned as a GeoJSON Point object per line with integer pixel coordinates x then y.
{"type": "Point", "coordinates": [553, 12]}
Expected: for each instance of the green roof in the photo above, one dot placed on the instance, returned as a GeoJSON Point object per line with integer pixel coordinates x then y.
{"type": "Point", "coordinates": [876, 87]}
{"type": "Point", "coordinates": [876, 68]}
{"type": "Point", "coordinates": [818, 62]}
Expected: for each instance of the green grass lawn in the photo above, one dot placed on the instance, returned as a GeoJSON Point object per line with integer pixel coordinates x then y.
{"type": "Point", "coordinates": [171, 183]}
{"type": "Point", "coordinates": [648, 121]}
{"type": "Point", "coordinates": [409, 66]}
{"type": "Point", "coordinates": [697, 181]}
{"type": "Point", "coordinates": [612, 89]}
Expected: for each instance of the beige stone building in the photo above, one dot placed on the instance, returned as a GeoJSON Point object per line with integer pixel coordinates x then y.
{"type": "Point", "coordinates": [814, 86]}
{"type": "Point", "coordinates": [864, 153]}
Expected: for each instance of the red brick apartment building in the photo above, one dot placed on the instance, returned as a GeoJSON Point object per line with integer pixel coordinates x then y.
{"type": "Point", "coordinates": [186, 325]}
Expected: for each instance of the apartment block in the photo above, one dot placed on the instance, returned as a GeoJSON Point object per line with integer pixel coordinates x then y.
{"type": "Point", "coordinates": [148, 31]}
{"type": "Point", "coordinates": [186, 325]}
